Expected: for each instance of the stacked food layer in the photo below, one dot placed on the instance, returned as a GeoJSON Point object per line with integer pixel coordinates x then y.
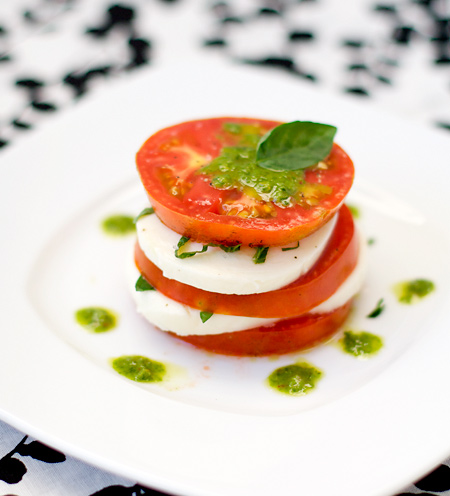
{"type": "Point", "coordinates": [247, 249]}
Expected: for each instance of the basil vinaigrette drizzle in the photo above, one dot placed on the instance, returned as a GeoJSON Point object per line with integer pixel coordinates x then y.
{"type": "Point", "coordinates": [271, 168]}
{"type": "Point", "coordinates": [139, 368]}
{"type": "Point", "coordinates": [410, 292]}
{"type": "Point", "coordinates": [118, 225]}
{"type": "Point", "coordinates": [96, 319]}
{"type": "Point", "coordinates": [297, 379]}
{"type": "Point", "coordinates": [360, 344]}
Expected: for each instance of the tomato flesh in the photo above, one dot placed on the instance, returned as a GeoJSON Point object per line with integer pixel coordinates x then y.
{"type": "Point", "coordinates": [337, 261]}
{"type": "Point", "coordinates": [284, 336]}
{"type": "Point", "coordinates": [168, 164]}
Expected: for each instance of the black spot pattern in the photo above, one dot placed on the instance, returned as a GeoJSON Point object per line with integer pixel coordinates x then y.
{"type": "Point", "coordinates": [113, 30]}
{"type": "Point", "coordinates": [288, 36]}
{"type": "Point", "coordinates": [13, 469]}
{"type": "Point", "coordinates": [436, 481]}
{"type": "Point", "coordinates": [120, 490]}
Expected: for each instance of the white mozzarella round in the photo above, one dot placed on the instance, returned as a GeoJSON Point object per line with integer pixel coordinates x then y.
{"type": "Point", "coordinates": [169, 315]}
{"type": "Point", "coordinates": [228, 273]}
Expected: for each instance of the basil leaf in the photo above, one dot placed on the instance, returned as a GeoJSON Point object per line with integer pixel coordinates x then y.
{"type": "Point", "coordinates": [143, 285]}
{"type": "Point", "coordinates": [205, 316]}
{"type": "Point", "coordinates": [291, 247]}
{"type": "Point", "coordinates": [295, 145]}
{"type": "Point", "coordinates": [146, 211]}
{"type": "Point", "coordinates": [377, 310]}
{"type": "Point", "coordinates": [260, 255]}
{"type": "Point", "coordinates": [187, 254]}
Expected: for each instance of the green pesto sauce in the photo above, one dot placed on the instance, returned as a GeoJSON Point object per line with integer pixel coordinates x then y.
{"type": "Point", "coordinates": [297, 379]}
{"type": "Point", "coordinates": [139, 368]}
{"type": "Point", "coordinates": [409, 292]}
{"type": "Point", "coordinates": [96, 319]}
{"type": "Point", "coordinates": [361, 344]}
{"type": "Point", "coordinates": [235, 168]}
{"type": "Point", "coordinates": [248, 134]}
{"type": "Point", "coordinates": [118, 225]}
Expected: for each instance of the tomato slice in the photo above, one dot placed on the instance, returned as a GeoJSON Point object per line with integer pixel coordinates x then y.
{"type": "Point", "coordinates": [172, 165]}
{"type": "Point", "coordinates": [284, 336]}
{"type": "Point", "coordinates": [337, 261]}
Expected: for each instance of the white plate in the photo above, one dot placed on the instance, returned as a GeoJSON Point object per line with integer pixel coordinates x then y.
{"type": "Point", "coordinates": [369, 428]}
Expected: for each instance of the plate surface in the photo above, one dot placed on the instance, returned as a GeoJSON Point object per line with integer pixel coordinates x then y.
{"type": "Point", "coordinates": [370, 427]}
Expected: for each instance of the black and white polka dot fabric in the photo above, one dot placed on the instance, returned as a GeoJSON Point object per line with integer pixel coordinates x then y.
{"type": "Point", "coordinates": [395, 53]}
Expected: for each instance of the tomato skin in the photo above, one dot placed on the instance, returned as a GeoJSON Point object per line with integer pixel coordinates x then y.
{"type": "Point", "coordinates": [284, 336]}
{"type": "Point", "coordinates": [337, 261]}
{"type": "Point", "coordinates": [174, 148]}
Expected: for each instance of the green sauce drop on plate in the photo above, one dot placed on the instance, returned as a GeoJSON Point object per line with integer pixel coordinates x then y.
{"type": "Point", "coordinates": [139, 368]}
{"type": "Point", "coordinates": [297, 379]}
{"type": "Point", "coordinates": [361, 344]}
{"type": "Point", "coordinates": [96, 319]}
{"type": "Point", "coordinates": [354, 211]}
{"type": "Point", "coordinates": [410, 292]}
{"type": "Point", "coordinates": [119, 225]}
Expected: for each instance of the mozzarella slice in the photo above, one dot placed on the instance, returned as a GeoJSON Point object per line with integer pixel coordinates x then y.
{"type": "Point", "coordinates": [169, 315]}
{"type": "Point", "coordinates": [229, 273]}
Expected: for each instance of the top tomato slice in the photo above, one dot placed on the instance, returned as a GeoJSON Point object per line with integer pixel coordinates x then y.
{"type": "Point", "coordinates": [173, 166]}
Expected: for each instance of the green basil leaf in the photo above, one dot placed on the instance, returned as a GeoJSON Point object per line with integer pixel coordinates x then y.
{"type": "Point", "coordinates": [146, 211]}
{"type": "Point", "coordinates": [205, 316]}
{"type": "Point", "coordinates": [260, 255]}
{"type": "Point", "coordinates": [377, 310]}
{"type": "Point", "coordinates": [187, 254]}
{"type": "Point", "coordinates": [291, 247]}
{"type": "Point", "coordinates": [295, 145]}
{"type": "Point", "coordinates": [143, 285]}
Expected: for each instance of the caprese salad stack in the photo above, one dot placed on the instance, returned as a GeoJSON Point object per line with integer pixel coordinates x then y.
{"type": "Point", "coordinates": [247, 248]}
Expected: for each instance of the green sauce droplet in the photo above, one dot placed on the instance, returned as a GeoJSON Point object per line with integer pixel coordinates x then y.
{"type": "Point", "coordinates": [119, 225]}
{"type": "Point", "coordinates": [354, 211]}
{"type": "Point", "coordinates": [139, 368]}
{"type": "Point", "coordinates": [361, 344]}
{"type": "Point", "coordinates": [96, 319]}
{"type": "Point", "coordinates": [409, 292]}
{"type": "Point", "coordinates": [297, 379]}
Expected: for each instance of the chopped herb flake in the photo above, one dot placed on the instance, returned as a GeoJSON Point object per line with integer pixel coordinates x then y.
{"type": "Point", "coordinates": [143, 285]}
{"type": "Point", "coordinates": [146, 211]}
{"type": "Point", "coordinates": [380, 306]}
{"type": "Point", "coordinates": [229, 249]}
{"type": "Point", "coordinates": [261, 253]}
{"type": "Point", "coordinates": [205, 316]}
{"type": "Point", "coordinates": [287, 248]}
{"type": "Point", "coordinates": [187, 254]}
